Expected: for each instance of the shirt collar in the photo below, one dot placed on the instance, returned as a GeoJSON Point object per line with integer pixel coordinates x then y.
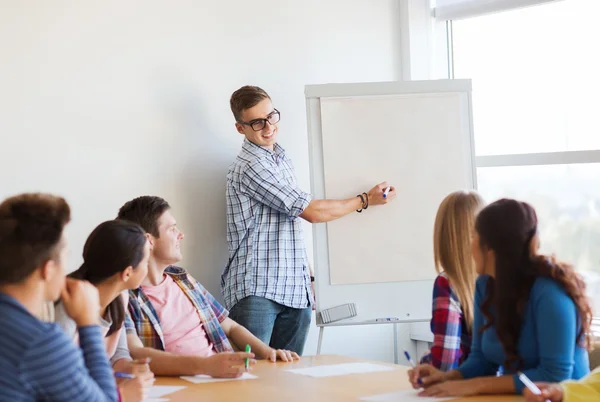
{"type": "Point", "coordinates": [171, 270]}
{"type": "Point", "coordinates": [259, 151]}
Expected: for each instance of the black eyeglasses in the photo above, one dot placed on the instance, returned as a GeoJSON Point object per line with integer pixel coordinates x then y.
{"type": "Point", "coordinates": [260, 124]}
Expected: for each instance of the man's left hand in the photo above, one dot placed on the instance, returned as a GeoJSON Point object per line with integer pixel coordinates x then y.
{"type": "Point", "coordinates": [282, 354]}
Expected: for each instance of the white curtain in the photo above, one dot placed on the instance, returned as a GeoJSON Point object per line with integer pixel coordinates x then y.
{"type": "Point", "coordinates": [445, 10]}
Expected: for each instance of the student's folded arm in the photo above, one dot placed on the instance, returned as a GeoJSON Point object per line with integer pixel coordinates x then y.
{"type": "Point", "coordinates": [165, 363]}
{"type": "Point", "coordinates": [492, 385]}
{"type": "Point", "coordinates": [556, 335]}
{"type": "Point", "coordinates": [54, 368]}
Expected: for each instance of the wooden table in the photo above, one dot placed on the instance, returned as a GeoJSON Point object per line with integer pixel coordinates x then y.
{"type": "Point", "coordinates": [276, 384]}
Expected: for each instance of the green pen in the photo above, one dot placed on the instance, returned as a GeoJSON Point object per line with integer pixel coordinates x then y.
{"type": "Point", "coordinates": [247, 360]}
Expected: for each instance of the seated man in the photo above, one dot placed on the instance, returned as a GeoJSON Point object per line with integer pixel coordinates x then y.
{"type": "Point", "coordinates": [37, 360]}
{"type": "Point", "coordinates": [172, 319]}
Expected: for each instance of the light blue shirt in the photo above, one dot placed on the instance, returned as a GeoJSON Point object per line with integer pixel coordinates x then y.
{"type": "Point", "coordinates": [547, 344]}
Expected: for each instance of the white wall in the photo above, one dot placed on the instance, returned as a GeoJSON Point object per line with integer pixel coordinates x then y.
{"type": "Point", "coordinates": [102, 101]}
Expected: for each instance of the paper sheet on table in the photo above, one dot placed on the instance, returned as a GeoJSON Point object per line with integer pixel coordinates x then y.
{"type": "Point", "coordinates": [341, 369]}
{"type": "Point", "coordinates": [157, 391]}
{"type": "Point", "coordinates": [203, 379]}
{"type": "Point", "coordinates": [407, 395]}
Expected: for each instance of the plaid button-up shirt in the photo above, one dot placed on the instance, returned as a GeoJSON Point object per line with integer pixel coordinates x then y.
{"type": "Point", "coordinates": [267, 255]}
{"type": "Point", "coordinates": [451, 338]}
{"type": "Point", "coordinates": [143, 321]}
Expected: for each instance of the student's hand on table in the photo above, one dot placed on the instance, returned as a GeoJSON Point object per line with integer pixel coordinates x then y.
{"type": "Point", "coordinates": [282, 354]}
{"type": "Point", "coordinates": [450, 388]}
{"type": "Point", "coordinates": [134, 390]}
{"type": "Point", "coordinates": [550, 392]}
{"type": "Point", "coordinates": [139, 366]}
{"type": "Point", "coordinates": [376, 194]}
{"type": "Point", "coordinates": [81, 302]}
{"type": "Point", "coordinates": [228, 365]}
{"type": "Point", "coordinates": [425, 375]}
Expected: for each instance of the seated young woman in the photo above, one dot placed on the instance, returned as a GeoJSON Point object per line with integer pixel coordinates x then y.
{"type": "Point", "coordinates": [454, 287]}
{"type": "Point", "coordinates": [531, 312]}
{"type": "Point", "coordinates": [115, 259]}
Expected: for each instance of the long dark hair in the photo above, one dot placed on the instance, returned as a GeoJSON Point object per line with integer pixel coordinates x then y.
{"type": "Point", "coordinates": [507, 227]}
{"type": "Point", "coordinates": [109, 249]}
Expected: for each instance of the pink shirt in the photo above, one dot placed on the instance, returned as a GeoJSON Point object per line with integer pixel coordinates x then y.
{"type": "Point", "coordinates": [183, 332]}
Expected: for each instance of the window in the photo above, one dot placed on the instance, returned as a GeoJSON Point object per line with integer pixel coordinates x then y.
{"type": "Point", "coordinates": [536, 89]}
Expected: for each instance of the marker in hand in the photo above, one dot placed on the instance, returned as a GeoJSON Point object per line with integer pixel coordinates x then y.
{"type": "Point", "coordinates": [247, 360]}
{"type": "Point", "coordinates": [386, 191]}
{"type": "Point", "coordinates": [530, 385]}
{"type": "Point", "coordinates": [412, 364]}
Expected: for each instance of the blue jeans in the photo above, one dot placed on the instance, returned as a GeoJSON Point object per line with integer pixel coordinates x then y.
{"type": "Point", "coordinates": [278, 326]}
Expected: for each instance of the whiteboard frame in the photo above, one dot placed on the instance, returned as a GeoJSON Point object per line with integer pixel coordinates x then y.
{"type": "Point", "coordinates": [313, 94]}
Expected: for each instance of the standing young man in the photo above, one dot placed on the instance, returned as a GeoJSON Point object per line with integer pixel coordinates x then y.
{"type": "Point", "coordinates": [37, 360]}
{"type": "Point", "coordinates": [267, 281]}
{"type": "Point", "coordinates": [172, 318]}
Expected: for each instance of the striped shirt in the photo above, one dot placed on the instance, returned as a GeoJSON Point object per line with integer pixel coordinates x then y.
{"type": "Point", "coordinates": [38, 362]}
{"type": "Point", "coordinates": [142, 319]}
{"type": "Point", "coordinates": [267, 255]}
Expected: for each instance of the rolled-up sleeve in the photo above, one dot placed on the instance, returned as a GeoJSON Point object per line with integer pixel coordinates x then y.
{"type": "Point", "coordinates": [266, 185]}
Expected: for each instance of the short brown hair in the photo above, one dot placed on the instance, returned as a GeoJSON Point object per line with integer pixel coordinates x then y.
{"type": "Point", "coordinates": [31, 227]}
{"type": "Point", "coordinates": [145, 211]}
{"type": "Point", "coordinates": [245, 98]}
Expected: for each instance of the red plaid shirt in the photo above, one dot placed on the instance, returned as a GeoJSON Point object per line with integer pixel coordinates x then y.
{"type": "Point", "coordinates": [451, 338]}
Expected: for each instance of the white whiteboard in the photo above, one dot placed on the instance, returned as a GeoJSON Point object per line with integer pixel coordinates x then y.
{"type": "Point", "coordinates": [418, 137]}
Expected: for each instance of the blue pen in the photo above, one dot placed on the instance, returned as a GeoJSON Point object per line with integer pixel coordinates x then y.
{"type": "Point", "coordinates": [124, 375]}
{"type": "Point", "coordinates": [412, 363]}
{"type": "Point", "coordinates": [391, 319]}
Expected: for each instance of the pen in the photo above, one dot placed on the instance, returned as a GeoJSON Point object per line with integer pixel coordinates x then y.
{"type": "Point", "coordinates": [530, 385]}
{"type": "Point", "coordinates": [387, 319]}
{"type": "Point", "coordinates": [386, 191]}
{"type": "Point", "coordinates": [247, 360]}
{"type": "Point", "coordinates": [124, 375]}
{"type": "Point", "coordinates": [412, 363]}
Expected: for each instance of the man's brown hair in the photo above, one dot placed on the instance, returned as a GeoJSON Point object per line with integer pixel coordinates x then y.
{"type": "Point", "coordinates": [245, 98]}
{"type": "Point", "coordinates": [31, 228]}
{"type": "Point", "coordinates": [145, 211]}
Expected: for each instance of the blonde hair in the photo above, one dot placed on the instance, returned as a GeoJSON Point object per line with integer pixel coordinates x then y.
{"type": "Point", "coordinates": [453, 229]}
